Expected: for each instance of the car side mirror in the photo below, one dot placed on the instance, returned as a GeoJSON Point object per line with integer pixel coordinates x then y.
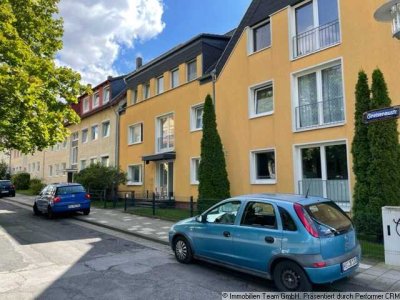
{"type": "Point", "coordinates": [203, 218]}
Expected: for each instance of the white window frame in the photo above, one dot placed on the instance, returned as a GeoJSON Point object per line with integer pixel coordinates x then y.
{"type": "Point", "coordinates": [193, 174]}
{"type": "Point", "coordinates": [85, 102]}
{"type": "Point", "coordinates": [87, 135]}
{"type": "Point", "coordinates": [157, 128]}
{"type": "Point", "coordinates": [81, 165]}
{"type": "Point", "coordinates": [106, 100]}
{"type": "Point", "coordinates": [146, 90]}
{"type": "Point", "coordinates": [250, 37]}
{"type": "Point", "coordinates": [172, 78]}
{"type": "Point", "coordinates": [95, 160]}
{"type": "Point", "coordinates": [131, 129]}
{"type": "Point", "coordinates": [295, 92]}
{"type": "Point", "coordinates": [140, 182]}
{"type": "Point", "coordinates": [187, 70]}
{"type": "Point", "coordinates": [91, 132]}
{"type": "Point", "coordinates": [96, 95]}
{"type": "Point", "coordinates": [253, 168]}
{"type": "Point", "coordinates": [193, 111]}
{"type": "Point", "coordinates": [160, 87]}
{"type": "Point", "coordinates": [108, 160]}
{"type": "Point", "coordinates": [102, 129]}
{"type": "Point", "coordinates": [50, 171]}
{"type": "Point", "coordinates": [134, 96]}
{"type": "Point", "coordinates": [252, 99]}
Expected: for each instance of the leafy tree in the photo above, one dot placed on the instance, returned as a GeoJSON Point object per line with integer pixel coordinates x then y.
{"type": "Point", "coordinates": [99, 177]}
{"type": "Point", "coordinates": [21, 180]}
{"type": "Point", "coordinates": [35, 93]}
{"type": "Point", "coordinates": [384, 162]}
{"type": "Point", "coordinates": [213, 177]}
{"type": "Point", "coordinates": [361, 152]}
{"type": "Point", "coordinates": [3, 169]}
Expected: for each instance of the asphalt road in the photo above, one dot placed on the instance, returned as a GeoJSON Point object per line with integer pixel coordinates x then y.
{"type": "Point", "coordinates": [68, 259]}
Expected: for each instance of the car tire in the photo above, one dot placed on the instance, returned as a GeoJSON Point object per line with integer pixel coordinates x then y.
{"type": "Point", "coordinates": [289, 277]}
{"type": "Point", "coordinates": [182, 250]}
{"type": "Point", "coordinates": [36, 211]}
{"type": "Point", "coordinates": [13, 195]}
{"type": "Point", "coordinates": [50, 213]}
{"type": "Point", "coordinates": [86, 211]}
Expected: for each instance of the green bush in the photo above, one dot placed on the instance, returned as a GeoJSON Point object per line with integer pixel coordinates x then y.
{"type": "Point", "coordinates": [36, 185]}
{"type": "Point", "coordinates": [21, 181]}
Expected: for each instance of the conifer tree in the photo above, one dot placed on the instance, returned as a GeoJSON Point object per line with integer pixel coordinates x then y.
{"type": "Point", "coordinates": [213, 177]}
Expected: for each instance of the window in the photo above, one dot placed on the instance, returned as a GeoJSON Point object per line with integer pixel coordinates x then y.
{"type": "Point", "coordinates": [262, 100]}
{"type": "Point", "coordinates": [260, 37]}
{"type": "Point", "coordinates": [84, 135]}
{"type": "Point", "coordinates": [165, 133]}
{"type": "Point", "coordinates": [288, 223]}
{"type": "Point", "coordinates": [50, 170]}
{"type": "Point", "coordinates": [191, 70]}
{"type": "Point", "coordinates": [38, 166]}
{"type": "Point", "coordinates": [194, 170]}
{"type": "Point", "coordinates": [146, 90]}
{"type": "Point", "coordinates": [106, 129]}
{"type": "Point", "coordinates": [263, 167]}
{"type": "Point", "coordinates": [134, 96]}
{"type": "Point", "coordinates": [316, 26]}
{"type": "Point", "coordinates": [105, 161]}
{"type": "Point", "coordinates": [57, 169]}
{"type": "Point", "coordinates": [135, 175]}
{"type": "Point", "coordinates": [85, 104]}
{"type": "Point", "coordinates": [197, 117]}
{"type": "Point", "coordinates": [135, 134]}
{"type": "Point", "coordinates": [95, 132]}
{"type": "Point", "coordinates": [174, 78]}
{"type": "Point", "coordinates": [319, 98]}
{"type": "Point", "coordinates": [65, 143]}
{"type": "Point", "coordinates": [63, 167]}
{"type": "Point", "coordinates": [259, 214]}
{"type": "Point", "coordinates": [74, 149]}
{"type": "Point", "coordinates": [83, 164]}
{"type": "Point", "coordinates": [96, 100]}
{"type": "Point", "coordinates": [93, 161]}
{"type": "Point", "coordinates": [160, 85]}
{"type": "Point", "coordinates": [224, 214]}
{"type": "Point", "coordinates": [106, 95]}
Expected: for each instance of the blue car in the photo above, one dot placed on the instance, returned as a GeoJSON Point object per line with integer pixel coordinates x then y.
{"type": "Point", "coordinates": [60, 198]}
{"type": "Point", "coordinates": [295, 240]}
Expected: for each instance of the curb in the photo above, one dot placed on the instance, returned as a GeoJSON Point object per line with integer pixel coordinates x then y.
{"type": "Point", "coordinates": [135, 234]}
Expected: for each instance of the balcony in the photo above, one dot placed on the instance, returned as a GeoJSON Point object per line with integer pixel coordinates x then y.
{"type": "Point", "coordinates": [317, 38]}
{"type": "Point", "coordinates": [166, 143]}
{"type": "Point", "coordinates": [336, 190]}
{"type": "Point", "coordinates": [320, 113]}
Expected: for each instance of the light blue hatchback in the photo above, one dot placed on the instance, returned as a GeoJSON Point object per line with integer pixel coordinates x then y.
{"type": "Point", "coordinates": [294, 240]}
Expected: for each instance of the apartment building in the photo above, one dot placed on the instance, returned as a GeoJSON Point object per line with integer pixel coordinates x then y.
{"type": "Point", "coordinates": [161, 127]}
{"type": "Point", "coordinates": [287, 79]}
{"type": "Point", "coordinates": [93, 140]}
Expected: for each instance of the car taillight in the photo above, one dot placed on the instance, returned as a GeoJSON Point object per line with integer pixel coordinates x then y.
{"type": "Point", "coordinates": [320, 264]}
{"type": "Point", "coordinates": [13, 187]}
{"type": "Point", "coordinates": [306, 220]}
{"type": "Point", "coordinates": [87, 196]}
{"type": "Point", "coordinates": [56, 199]}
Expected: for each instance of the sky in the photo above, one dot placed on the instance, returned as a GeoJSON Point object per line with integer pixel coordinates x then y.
{"type": "Point", "coordinates": [103, 37]}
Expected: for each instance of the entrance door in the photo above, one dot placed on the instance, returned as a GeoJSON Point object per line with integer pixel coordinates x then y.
{"type": "Point", "coordinates": [165, 179]}
{"type": "Point", "coordinates": [324, 173]}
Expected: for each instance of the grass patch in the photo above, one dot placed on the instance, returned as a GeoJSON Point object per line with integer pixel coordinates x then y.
{"type": "Point", "coordinates": [26, 192]}
{"type": "Point", "coordinates": [169, 214]}
{"type": "Point", "coordinates": [109, 204]}
{"type": "Point", "coordinates": [372, 250]}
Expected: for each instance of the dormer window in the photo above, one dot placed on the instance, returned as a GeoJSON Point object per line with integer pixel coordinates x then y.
{"type": "Point", "coordinates": [96, 100]}
{"type": "Point", "coordinates": [260, 37]}
{"type": "Point", "coordinates": [85, 104]}
{"type": "Point", "coordinates": [160, 85]}
{"type": "Point", "coordinates": [146, 90]}
{"type": "Point", "coordinates": [106, 95]}
{"type": "Point", "coordinates": [191, 70]}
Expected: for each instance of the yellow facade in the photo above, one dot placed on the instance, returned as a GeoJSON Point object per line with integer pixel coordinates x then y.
{"type": "Point", "coordinates": [364, 45]}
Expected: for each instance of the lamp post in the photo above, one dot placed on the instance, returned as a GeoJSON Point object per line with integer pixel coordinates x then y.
{"type": "Point", "coordinates": [390, 12]}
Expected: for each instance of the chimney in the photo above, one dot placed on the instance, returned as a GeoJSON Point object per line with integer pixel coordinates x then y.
{"type": "Point", "coordinates": [139, 62]}
{"type": "Point", "coordinates": [109, 77]}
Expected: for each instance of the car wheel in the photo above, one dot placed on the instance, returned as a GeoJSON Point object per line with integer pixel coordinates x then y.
{"type": "Point", "coordinates": [50, 213]}
{"type": "Point", "coordinates": [86, 211]}
{"type": "Point", "coordinates": [13, 195]}
{"type": "Point", "coordinates": [289, 276]}
{"type": "Point", "coordinates": [183, 251]}
{"type": "Point", "coordinates": [36, 211]}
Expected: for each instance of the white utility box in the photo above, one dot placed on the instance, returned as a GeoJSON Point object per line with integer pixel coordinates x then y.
{"type": "Point", "coordinates": [391, 234]}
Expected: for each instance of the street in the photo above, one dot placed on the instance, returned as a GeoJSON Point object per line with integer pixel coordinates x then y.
{"type": "Point", "coordinates": [65, 258]}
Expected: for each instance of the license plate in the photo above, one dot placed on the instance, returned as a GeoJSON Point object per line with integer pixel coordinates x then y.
{"type": "Point", "coordinates": [4, 192]}
{"type": "Point", "coordinates": [74, 206]}
{"type": "Point", "coordinates": [349, 263]}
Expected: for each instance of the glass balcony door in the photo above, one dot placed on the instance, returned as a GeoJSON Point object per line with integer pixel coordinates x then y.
{"type": "Point", "coordinates": [165, 180]}
{"type": "Point", "coordinates": [165, 133]}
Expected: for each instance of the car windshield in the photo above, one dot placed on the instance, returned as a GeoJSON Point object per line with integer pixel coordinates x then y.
{"type": "Point", "coordinates": [74, 189]}
{"type": "Point", "coordinates": [329, 214]}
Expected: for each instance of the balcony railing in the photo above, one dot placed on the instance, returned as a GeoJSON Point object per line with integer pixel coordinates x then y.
{"type": "Point", "coordinates": [336, 190]}
{"type": "Point", "coordinates": [320, 113]}
{"type": "Point", "coordinates": [316, 38]}
{"type": "Point", "coordinates": [165, 143]}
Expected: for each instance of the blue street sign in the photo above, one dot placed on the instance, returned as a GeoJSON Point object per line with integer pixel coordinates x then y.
{"type": "Point", "coordinates": [383, 114]}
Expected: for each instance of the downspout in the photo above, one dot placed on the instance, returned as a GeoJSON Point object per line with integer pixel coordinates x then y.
{"type": "Point", "coordinates": [116, 111]}
{"type": "Point", "coordinates": [214, 79]}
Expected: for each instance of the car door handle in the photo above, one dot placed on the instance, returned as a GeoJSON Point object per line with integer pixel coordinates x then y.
{"type": "Point", "coordinates": [227, 234]}
{"type": "Point", "coordinates": [269, 239]}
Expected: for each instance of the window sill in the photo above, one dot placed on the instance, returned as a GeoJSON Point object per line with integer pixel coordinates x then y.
{"type": "Point", "coordinates": [264, 182]}
{"type": "Point", "coordinates": [129, 183]}
{"type": "Point", "coordinates": [324, 126]}
{"type": "Point", "coordinates": [136, 143]}
{"type": "Point", "coordinates": [261, 115]}
{"type": "Point", "coordinates": [196, 129]}
{"type": "Point", "coordinates": [258, 51]}
{"type": "Point", "coordinates": [194, 183]}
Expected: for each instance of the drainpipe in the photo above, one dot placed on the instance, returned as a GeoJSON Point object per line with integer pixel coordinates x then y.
{"type": "Point", "coordinates": [214, 79]}
{"type": "Point", "coordinates": [116, 111]}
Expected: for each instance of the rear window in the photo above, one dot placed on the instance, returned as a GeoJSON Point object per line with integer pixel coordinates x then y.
{"type": "Point", "coordinates": [75, 189]}
{"type": "Point", "coordinates": [5, 183]}
{"type": "Point", "coordinates": [329, 214]}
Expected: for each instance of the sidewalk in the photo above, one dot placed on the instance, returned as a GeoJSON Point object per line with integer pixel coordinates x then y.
{"type": "Point", "coordinates": [371, 275]}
